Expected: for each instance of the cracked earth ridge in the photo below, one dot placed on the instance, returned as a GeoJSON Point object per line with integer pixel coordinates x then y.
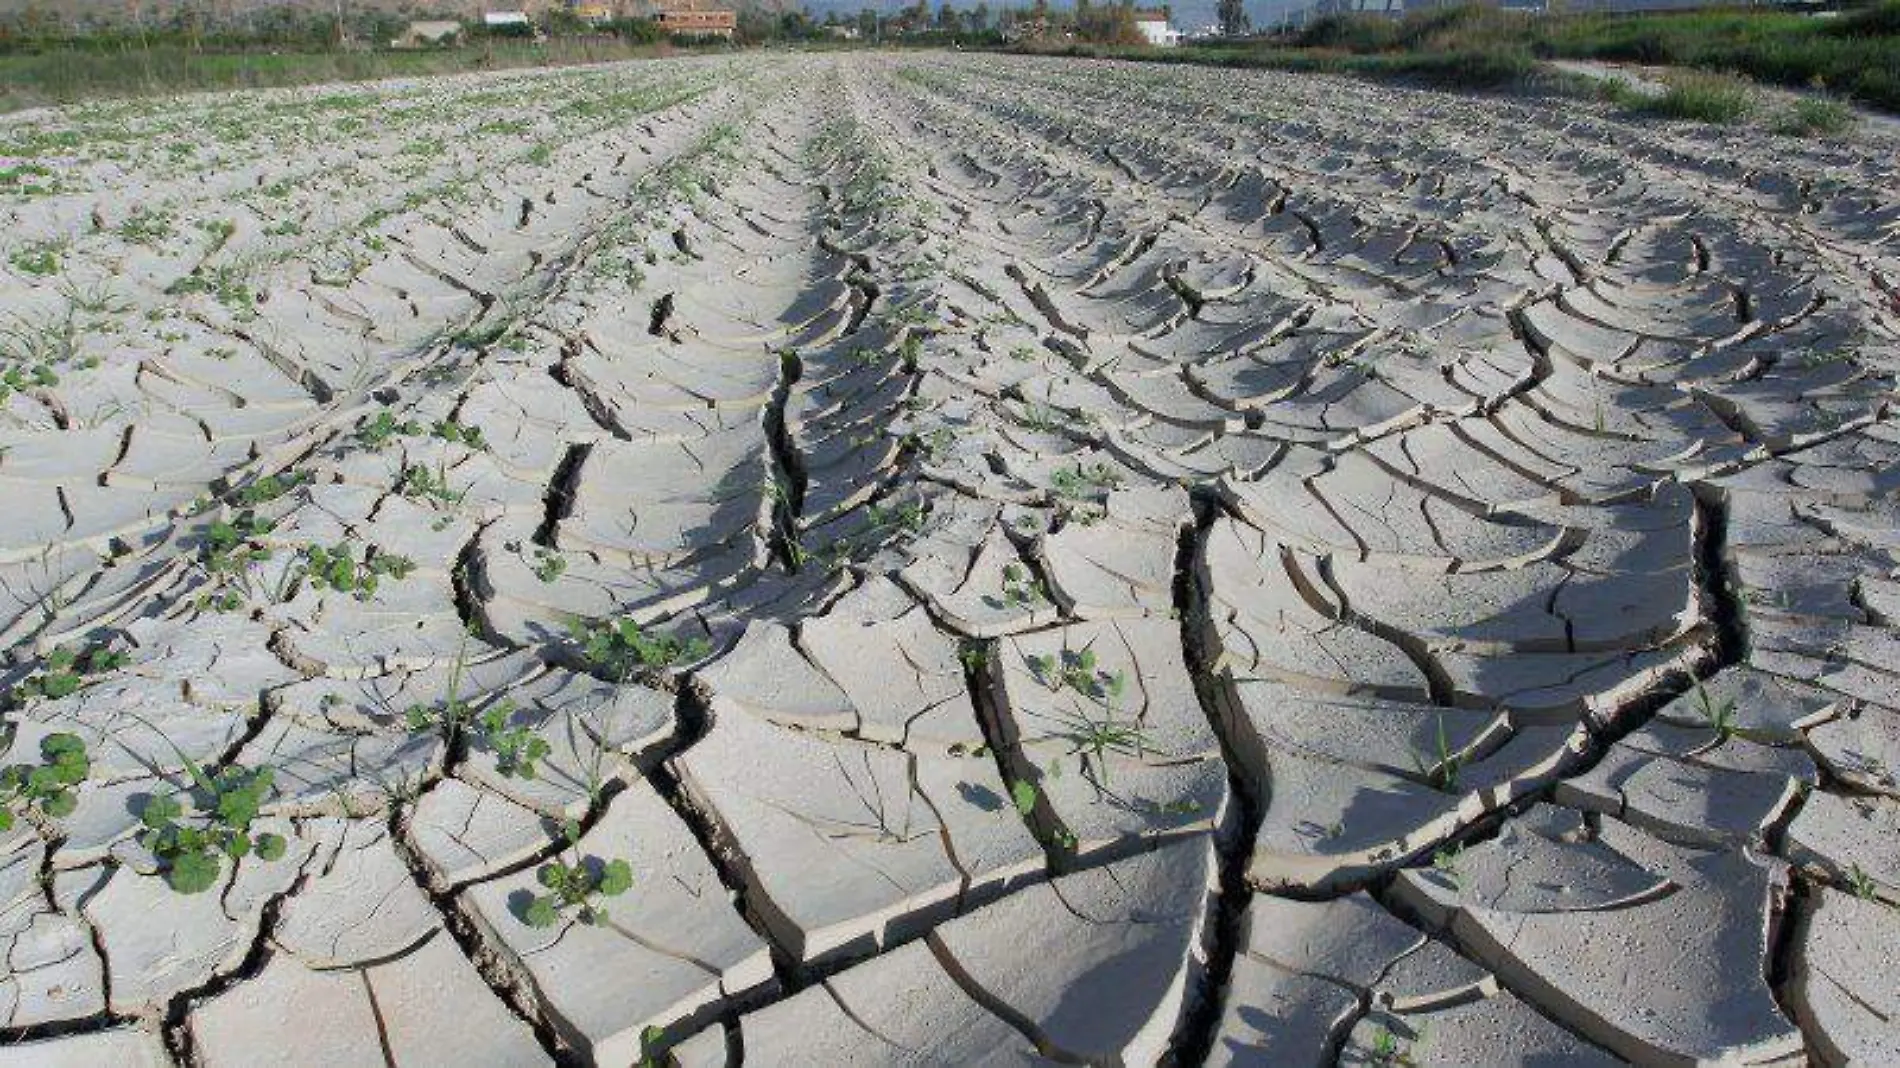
{"type": "Point", "coordinates": [1161, 566]}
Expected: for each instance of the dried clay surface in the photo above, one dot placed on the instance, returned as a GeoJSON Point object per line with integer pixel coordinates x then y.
{"type": "Point", "coordinates": [935, 559]}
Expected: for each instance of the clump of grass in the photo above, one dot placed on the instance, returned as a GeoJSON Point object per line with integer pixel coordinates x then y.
{"type": "Point", "coordinates": [1719, 98]}
{"type": "Point", "coordinates": [1814, 116]}
{"type": "Point", "coordinates": [623, 648]}
{"type": "Point", "coordinates": [343, 569]}
{"type": "Point", "coordinates": [37, 258]}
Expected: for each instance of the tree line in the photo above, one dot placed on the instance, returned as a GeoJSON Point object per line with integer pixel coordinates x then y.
{"type": "Point", "coordinates": [218, 25]}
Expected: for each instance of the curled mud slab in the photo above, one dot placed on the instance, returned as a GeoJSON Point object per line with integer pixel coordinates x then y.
{"type": "Point", "coordinates": [1102, 564]}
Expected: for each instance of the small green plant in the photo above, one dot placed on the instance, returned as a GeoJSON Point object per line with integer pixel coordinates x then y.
{"type": "Point", "coordinates": [1389, 1050]}
{"type": "Point", "coordinates": [18, 378]}
{"type": "Point", "coordinates": [908, 516]}
{"type": "Point", "coordinates": [46, 788]}
{"type": "Point", "coordinates": [1858, 881]}
{"type": "Point", "coordinates": [191, 844]}
{"type": "Point", "coordinates": [1445, 863]}
{"type": "Point", "coordinates": [458, 433]}
{"type": "Point", "coordinates": [935, 445]}
{"type": "Point", "coordinates": [482, 335]}
{"type": "Point", "coordinates": [1445, 765]}
{"type": "Point", "coordinates": [623, 648]}
{"type": "Point", "coordinates": [1020, 588]}
{"type": "Point", "coordinates": [580, 885]}
{"type": "Point", "coordinates": [94, 298]}
{"type": "Point", "coordinates": [28, 179]}
{"type": "Point", "coordinates": [144, 226]}
{"type": "Point", "coordinates": [218, 231]}
{"type": "Point", "coordinates": [652, 1056]}
{"type": "Point", "coordinates": [230, 548]}
{"type": "Point", "coordinates": [37, 258]}
{"type": "Point", "coordinates": [1076, 669]}
{"type": "Point", "coordinates": [1083, 480]}
{"type": "Point", "coordinates": [1044, 418]}
{"type": "Point", "coordinates": [421, 482]}
{"type": "Point", "coordinates": [1094, 739]}
{"type": "Point", "coordinates": [271, 487]}
{"type": "Point", "coordinates": [339, 568]}
{"type": "Point", "coordinates": [974, 655]}
{"type": "Point", "coordinates": [65, 671]}
{"type": "Point", "coordinates": [1720, 715]}
{"type": "Point", "coordinates": [518, 750]}
{"type": "Point", "coordinates": [382, 428]}
{"type": "Point", "coordinates": [549, 565]}
{"type": "Point", "coordinates": [228, 284]}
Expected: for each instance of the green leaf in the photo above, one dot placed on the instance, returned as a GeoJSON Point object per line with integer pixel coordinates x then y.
{"type": "Point", "coordinates": [160, 812]}
{"type": "Point", "coordinates": [238, 808]}
{"type": "Point", "coordinates": [193, 873]}
{"type": "Point", "coordinates": [53, 746]}
{"type": "Point", "coordinates": [1024, 794]}
{"type": "Point", "coordinates": [59, 805]}
{"type": "Point", "coordinates": [270, 846]}
{"type": "Point", "coordinates": [541, 913]}
{"type": "Point", "coordinates": [59, 684]}
{"type": "Point", "coordinates": [6, 819]}
{"type": "Point", "coordinates": [616, 878]}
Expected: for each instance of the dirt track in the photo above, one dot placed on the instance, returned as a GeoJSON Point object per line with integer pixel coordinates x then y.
{"type": "Point", "coordinates": [1025, 560]}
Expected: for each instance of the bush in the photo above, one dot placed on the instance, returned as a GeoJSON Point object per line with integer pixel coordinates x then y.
{"type": "Point", "coordinates": [1701, 97]}
{"type": "Point", "coordinates": [1814, 117]}
{"type": "Point", "coordinates": [1474, 69]}
{"type": "Point", "coordinates": [1349, 33]}
{"type": "Point", "coordinates": [1882, 20]}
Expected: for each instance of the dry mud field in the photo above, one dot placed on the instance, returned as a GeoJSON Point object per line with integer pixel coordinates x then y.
{"type": "Point", "coordinates": [944, 560]}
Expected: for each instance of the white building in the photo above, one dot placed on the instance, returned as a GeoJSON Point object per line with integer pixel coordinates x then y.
{"type": "Point", "coordinates": [1154, 27]}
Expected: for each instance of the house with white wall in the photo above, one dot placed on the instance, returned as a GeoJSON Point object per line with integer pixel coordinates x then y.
{"type": "Point", "coordinates": [1155, 29]}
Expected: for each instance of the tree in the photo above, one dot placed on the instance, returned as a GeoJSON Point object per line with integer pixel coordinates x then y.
{"type": "Point", "coordinates": [980, 18]}
{"type": "Point", "coordinates": [1233, 18]}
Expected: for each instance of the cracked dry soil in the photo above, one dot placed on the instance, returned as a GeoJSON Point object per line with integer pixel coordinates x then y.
{"type": "Point", "coordinates": [1028, 561]}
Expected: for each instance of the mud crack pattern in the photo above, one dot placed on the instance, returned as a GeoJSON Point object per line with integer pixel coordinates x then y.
{"type": "Point", "coordinates": [1027, 562]}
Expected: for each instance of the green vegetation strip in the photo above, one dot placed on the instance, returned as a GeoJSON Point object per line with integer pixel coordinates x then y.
{"type": "Point", "coordinates": [1856, 55]}
{"type": "Point", "coordinates": [64, 75]}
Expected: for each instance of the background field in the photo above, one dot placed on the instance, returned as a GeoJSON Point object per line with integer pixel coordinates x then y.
{"type": "Point", "coordinates": [1856, 55]}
